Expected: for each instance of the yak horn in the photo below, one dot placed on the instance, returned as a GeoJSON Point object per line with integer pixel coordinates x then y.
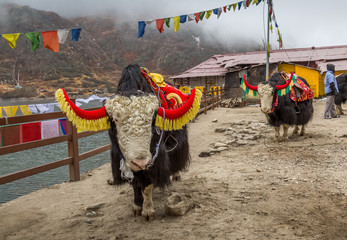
{"type": "Point", "coordinates": [254, 88]}
{"type": "Point", "coordinates": [279, 87]}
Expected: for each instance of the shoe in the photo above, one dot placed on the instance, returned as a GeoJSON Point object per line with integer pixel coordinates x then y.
{"type": "Point", "coordinates": [337, 116]}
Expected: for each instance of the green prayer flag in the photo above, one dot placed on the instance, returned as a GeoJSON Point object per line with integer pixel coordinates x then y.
{"type": "Point", "coordinates": [202, 14]}
{"type": "Point", "coordinates": [167, 22]}
{"type": "Point", "coordinates": [34, 38]}
{"type": "Point", "coordinates": [229, 7]}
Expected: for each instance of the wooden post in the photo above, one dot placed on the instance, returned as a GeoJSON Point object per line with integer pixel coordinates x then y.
{"type": "Point", "coordinates": [205, 102]}
{"type": "Point", "coordinates": [74, 167]}
{"type": "Point", "coordinates": [212, 99]}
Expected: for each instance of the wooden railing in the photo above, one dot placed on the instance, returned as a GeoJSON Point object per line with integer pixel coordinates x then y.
{"type": "Point", "coordinates": [210, 100]}
{"type": "Point", "coordinates": [71, 138]}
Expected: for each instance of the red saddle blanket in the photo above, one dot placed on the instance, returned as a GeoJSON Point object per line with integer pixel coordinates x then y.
{"type": "Point", "coordinates": [305, 92]}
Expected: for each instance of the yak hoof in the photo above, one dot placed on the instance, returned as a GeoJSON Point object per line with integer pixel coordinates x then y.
{"type": "Point", "coordinates": [148, 215]}
{"type": "Point", "coordinates": [176, 177]}
{"type": "Point", "coordinates": [136, 211]}
{"type": "Point", "coordinates": [110, 182]}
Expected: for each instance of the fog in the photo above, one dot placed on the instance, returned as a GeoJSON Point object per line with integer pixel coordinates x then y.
{"type": "Point", "coordinates": [302, 23]}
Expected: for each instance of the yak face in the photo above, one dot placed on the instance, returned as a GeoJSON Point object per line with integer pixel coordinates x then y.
{"type": "Point", "coordinates": [133, 117]}
{"type": "Point", "coordinates": [266, 95]}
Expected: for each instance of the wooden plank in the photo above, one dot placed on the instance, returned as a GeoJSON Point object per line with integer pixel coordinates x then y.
{"type": "Point", "coordinates": [94, 152]}
{"type": "Point", "coordinates": [86, 134]}
{"type": "Point", "coordinates": [33, 144]}
{"type": "Point", "coordinates": [35, 170]}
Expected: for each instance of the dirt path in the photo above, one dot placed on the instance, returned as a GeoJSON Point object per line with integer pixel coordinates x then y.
{"type": "Point", "coordinates": [254, 189]}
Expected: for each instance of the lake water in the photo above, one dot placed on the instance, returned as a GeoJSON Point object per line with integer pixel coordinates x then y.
{"type": "Point", "coordinates": [14, 162]}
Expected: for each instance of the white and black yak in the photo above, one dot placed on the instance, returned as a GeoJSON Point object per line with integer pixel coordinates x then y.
{"type": "Point", "coordinates": [282, 110]}
{"type": "Point", "coordinates": [341, 97]}
{"type": "Point", "coordinates": [149, 142]}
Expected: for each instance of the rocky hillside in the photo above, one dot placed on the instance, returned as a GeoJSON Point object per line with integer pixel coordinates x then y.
{"type": "Point", "coordinates": [105, 47]}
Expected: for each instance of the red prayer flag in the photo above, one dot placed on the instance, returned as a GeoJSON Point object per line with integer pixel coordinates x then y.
{"type": "Point", "coordinates": [247, 3]}
{"type": "Point", "coordinates": [30, 132]}
{"type": "Point", "coordinates": [160, 23]}
{"type": "Point", "coordinates": [50, 40]}
{"type": "Point", "coordinates": [225, 8]}
{"type": "Point", "coordinates": [10, 135]}
{"type": "Point", "coordinates": [197, 17]}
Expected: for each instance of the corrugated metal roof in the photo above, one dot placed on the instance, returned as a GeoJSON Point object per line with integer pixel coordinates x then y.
{"type": "Point", "coordinates": [218, 65]}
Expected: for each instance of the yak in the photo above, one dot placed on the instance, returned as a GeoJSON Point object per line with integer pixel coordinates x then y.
{"type": "Point", "coordinates": [147, 121]}
{"type": "Point", "coordinates": [135, 141]}
{"type": "Point", "coordinates": [282, 110]}
{"type": "Point", "coordinates": [341, 97]}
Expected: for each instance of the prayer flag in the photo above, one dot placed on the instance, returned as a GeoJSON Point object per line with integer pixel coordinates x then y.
{"type": "Point", "coordinates": [62, 122]}
{"type": "Point", "coordinates": [208, 14]}
{"type": "Point", "coordinates": [11, 39]}
{"type": "Point", "coordinates": [30, 132]}
{"type": "Point", "coordinates": [142, 26]}
{"type": "Point", "coordinates": [75, 34]}
{"type": "Point", "coordinates": [167, 22]}
{"type": "Point", "coordinates": [271, 28]}
{"type": "Point", "coordinates": [239, 4]}
{"type": "Point", "coordinates": [50, 129]}
{"type": "Point", "coordinates": [25, 110]}
{"type": "Point", "coordinates": [225, 9]}
{"type": "Point", "coordinates": [33, 108]}
{"type": "Point", "coordinates": [202, 14]}
{"type": "Point", "coordinates": [197, 17]}
{"type": "Point", "coordinates": [183, 18]}
{"type": "Point", "coordinates": [148, 22]}
{"type": "Point", "coordinates": [176, 23]}
{"type": "Point", "coordinates": [255, 2]}
{"type": "Point", "coordinates": [229, 7]}
{"type": "Point", "coordinates": [10, 112]}
{"type": "Point", "coordinates": [191, 17]}
{"type": "Point", "coordinates": [234, 6]}
{"type": "Point", "coordinates": [10, 135]}
{"type": "Point", "coordinates": [247, 3]}
{"type": "Point", "coordinates": [0, 112]}
{"type": "Point", "coordinates": [215, 11]}
{"type": "Point", "coordinates": [50, 40]}
{"type": "Point", "coordinates": [62, 35]}
{"type": "Point", "coordinates": [34, 38]}
{"type": "Point", "coordinates": [219, 12]}
{"type": "Point", "coordinates": [160, 23]}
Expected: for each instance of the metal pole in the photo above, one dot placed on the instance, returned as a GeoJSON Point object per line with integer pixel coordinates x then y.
{"type": "Point", "coordinates": [269, 3]}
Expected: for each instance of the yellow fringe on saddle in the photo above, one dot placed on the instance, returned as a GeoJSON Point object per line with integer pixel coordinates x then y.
{"type": "Point", "coordinates": [82, 124]}
{"type": "Point", "coordinates": [176, 124]}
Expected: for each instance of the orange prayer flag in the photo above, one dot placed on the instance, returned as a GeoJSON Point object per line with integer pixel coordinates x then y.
{"type": "Point", "coordinates": [160, 23]}
{"type": "Point", "coordinates": [50, 40]}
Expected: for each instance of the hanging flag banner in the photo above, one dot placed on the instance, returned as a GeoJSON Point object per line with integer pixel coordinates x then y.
{"type": "Point", "coordinates": [76, 34]}
{"type": "Point", "coordinates": [198, 16]}
{"type": "Point", "coordinates": [62, 35]}
{"type": "Point", "coordinates": [11, 39]}
{"type": "Point", "coordinates": [34, 38]}
{"type": "Point", "coordinates": [51, 39]}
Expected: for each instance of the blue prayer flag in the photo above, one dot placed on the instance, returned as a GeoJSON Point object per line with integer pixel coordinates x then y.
{"type": "Point", "coordinates": [239, 4]}
{"type": "Point", "coordinates": [215, 11]}
{"type": "Point", "coordinates": [183, 18]}
{"type": "Point", "coordinates": [75, 34]}
{"type": "Point", "coordinates": [142, 26]}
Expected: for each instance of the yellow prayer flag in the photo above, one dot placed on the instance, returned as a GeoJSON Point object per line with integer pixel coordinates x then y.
{"type": "Point", "coordinates": [25, 110]}
{"type": "Point", "coordinates": [14, 110]}
{"type": "Point", "coordinates": [8, 111]}
{"type": "Point", "coordinates": [0, 112]}
{"type": "Point", "coordinates": [208, 14]}
{"type": "Point", "coordinates": [11, 39]}
{"type": "Point", "coordinates": [234, 6]}
{"type": "Point", "coordinates": [255, 2]}
{"type": "Point", "coordinates": [176, 23]}
{"type": "Point", "coordinates": [271, 27]}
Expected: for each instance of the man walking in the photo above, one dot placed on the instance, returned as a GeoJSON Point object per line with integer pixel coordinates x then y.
{"type": "Point", "coordinates": [331, 89]}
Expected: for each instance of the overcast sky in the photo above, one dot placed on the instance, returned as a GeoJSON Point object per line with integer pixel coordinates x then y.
{"type": "Point", "coordinates": [303, 23]}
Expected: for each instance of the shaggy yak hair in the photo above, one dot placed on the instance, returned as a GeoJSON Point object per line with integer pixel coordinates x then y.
{"type": "Point", "coordinates": [173, 155]}
{"type": "Point", "coordinates": [342, 86]}
{"type": "Point", "coordinates": [285, 112]}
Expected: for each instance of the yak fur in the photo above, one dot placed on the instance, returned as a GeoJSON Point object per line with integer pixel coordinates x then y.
{"type": "Point", "coordinates": [341, 97]}
{"type": "Point", "coordinates": [173, 155]}
{"type": "Point", "coordinates": [285, 112]}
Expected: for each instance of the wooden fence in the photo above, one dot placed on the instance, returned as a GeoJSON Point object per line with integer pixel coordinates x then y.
{"type": "Point", "coordinates": [210, 100]}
